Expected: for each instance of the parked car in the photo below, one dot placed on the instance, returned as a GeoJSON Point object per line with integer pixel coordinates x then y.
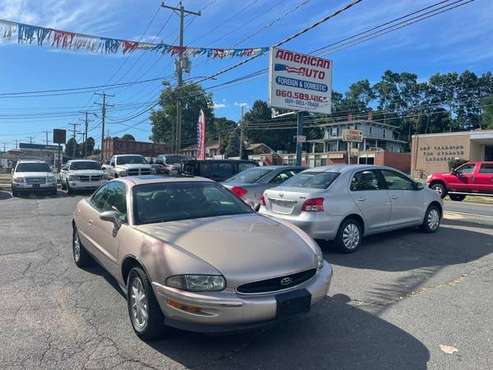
{"type": "Point", "coordinates": [472, 178]}
{"type": "Point", "coordinates": [346, 202]}
{"type": "Point", "coordinates": [157, 167]}
{"type": "Point", "coordinates": [216, 169]}
{"type": "Point", "coordinates": [172, 162]}
{"type": "Point", "coordinates": [250, 184]}
{"type": "Point", "coordinates": [190, 254]}
{"type": "Point", "coordinates": [82, 174]}
{"type": "Point", "coordinates": [33, 177]}
{"type": "Point", "coordinates": [122, 165]}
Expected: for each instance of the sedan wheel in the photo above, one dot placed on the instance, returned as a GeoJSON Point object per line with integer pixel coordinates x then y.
{"type": "Point", "coordinates": [432, 219]}
{"type": "Point", "coordinates": [79, 253]}
{"type": "Point", "coordinates": [144, 311]}
{"type": "Point", "coordinates": [349, 236]}
{"type": "Point", "coordinates": [440, 189]}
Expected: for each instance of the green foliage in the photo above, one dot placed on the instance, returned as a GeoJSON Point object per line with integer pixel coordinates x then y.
{"type": "Point", "coordinates": [194, 98]}
{"type": "Point", "coordinates": [128, 137]}
{"type": "Point", "coordinates": [233, 145]}
{"type": "Point", "coordinates": [487, 117]}
{"type": "Point", "coordinates": [79, 148]}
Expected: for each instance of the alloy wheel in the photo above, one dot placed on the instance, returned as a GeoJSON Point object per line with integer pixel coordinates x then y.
{"type": "Point", "coordinates": [438, 188]}
{"type": "Point", "coordinates": [351, 236]}
{"type": "Point", "coordinates": [433, 219]}
{"type": "Point", "coordinates": [139, 304]}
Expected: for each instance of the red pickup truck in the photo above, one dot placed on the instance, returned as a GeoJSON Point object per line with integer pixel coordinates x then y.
{"type": "Point", "coordinates": [472, 178]}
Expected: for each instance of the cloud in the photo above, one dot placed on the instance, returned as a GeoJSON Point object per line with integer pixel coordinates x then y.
{"type": "Point", "coordinates": [237, 104]}
{"type": "Point", "coordinates": [219, 106]}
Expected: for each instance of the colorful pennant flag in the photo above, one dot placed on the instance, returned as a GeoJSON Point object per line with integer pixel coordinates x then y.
{"type": "Point", "coordinates": [48, 37]}
{"type": "Point", "coordinates": [201, 135]}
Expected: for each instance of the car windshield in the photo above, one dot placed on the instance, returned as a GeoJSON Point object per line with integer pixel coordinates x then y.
{"type": "Point", "coordinates": [173, 201]}
{"type": "Point", "coordinates": [249, 176]}
{"type": "Point", "coordinates": [131, 159]}
{"type": "Point", "coordinates": [312, 179]}
{"type": "Point", "coordinates": [32, 167]}
{"type": "Point", "coordinates": [87, 165]}
{"type": "Point", "coordinates": [174, 159]}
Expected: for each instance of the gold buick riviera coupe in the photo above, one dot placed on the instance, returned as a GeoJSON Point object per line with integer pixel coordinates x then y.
{"type": "Point", "coordinates": [191, 255]}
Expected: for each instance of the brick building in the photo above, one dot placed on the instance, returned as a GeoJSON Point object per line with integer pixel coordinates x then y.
{"type": "Point", "coordinates": [112, 147]}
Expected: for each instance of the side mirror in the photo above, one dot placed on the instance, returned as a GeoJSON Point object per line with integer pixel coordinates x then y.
{"type": "Point", "coordinates": [112, 216]}
{"type": "Point", "coordinates": [419, 186]}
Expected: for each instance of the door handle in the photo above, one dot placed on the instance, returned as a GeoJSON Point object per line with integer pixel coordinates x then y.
{"type": "Point", "coordinates": [90, 222]}
{"type": "Point", "coordinates": [361, 199]}
{"type": "Point", "coordinates": [394, 197]}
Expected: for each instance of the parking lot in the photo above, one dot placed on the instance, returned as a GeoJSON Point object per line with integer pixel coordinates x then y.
{"type": "Point", "coordinates": [405, 300]}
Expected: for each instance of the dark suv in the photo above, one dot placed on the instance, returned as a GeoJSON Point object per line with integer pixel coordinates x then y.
{"type": "Point", "coordinates": [217, 169]}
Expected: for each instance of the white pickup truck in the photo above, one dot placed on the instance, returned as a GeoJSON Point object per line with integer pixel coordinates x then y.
{"type": "Point", "coordinates": [122, 165]}
{"type": "Point", "coordinates": [82, 175]}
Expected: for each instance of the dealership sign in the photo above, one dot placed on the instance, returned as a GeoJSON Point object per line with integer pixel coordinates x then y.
{"type": "Point", "coordinates": [299, 82]}
{"type": "Point", "coordinates": [352, 135]}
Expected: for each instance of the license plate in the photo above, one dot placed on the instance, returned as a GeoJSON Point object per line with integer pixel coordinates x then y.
{"type": "Point", "coordinates": [35, 185]}
{"type": "Point", "coordinates": [292, 303]}
{"type": "Point", "coordinates": [282, 206]}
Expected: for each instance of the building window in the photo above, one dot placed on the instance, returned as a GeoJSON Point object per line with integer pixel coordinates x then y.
{"type": "Point", "coordinates": [371, 130]}
{"type": "Point", "coordinates": [383, 133]}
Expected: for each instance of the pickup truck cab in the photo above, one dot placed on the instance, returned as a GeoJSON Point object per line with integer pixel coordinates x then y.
{"type": "Point", "coordinates": [122, 165]}
{"type": "Point", "coordinates": [82, 174]}
{"type": "Point", "coordinates": [472, 178]}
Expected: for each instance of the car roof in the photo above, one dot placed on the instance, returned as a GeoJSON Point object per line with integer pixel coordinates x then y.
{"type": "Point", "coordinates": [153, 179]}
{"type": "Point", "coordinates": [127, 155]}
{"type": "Point", "coordinates": [31, 161]}
{"type": "Point", "coordinates": [341, 168]}
{"type": "Point", "coordinates": [281, 167]}
{"type": "Point", "coordinates": [81, 160]}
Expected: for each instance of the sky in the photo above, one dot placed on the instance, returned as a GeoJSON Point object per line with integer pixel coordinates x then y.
{"type": "Point", "coordinates": [454, 41]}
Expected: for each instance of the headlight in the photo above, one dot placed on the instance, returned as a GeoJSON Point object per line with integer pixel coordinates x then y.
{"type": "Point", "coordinates": [320, 261]}
{"type": "Point", "coordinates": [122, 172]}
{"type": "Point", "coordinates": [19, 180]}
{"type": "Point", "coordinates": [51, 179]}
{"type": "Point", "coordinates": [73, 178]}
{"type": "Point", "coordinates": [197, 283]}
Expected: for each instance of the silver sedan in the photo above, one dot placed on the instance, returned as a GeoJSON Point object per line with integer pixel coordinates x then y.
{"type": "Point", "coordinates": [346, 202]}
{"type": "Point", "coordinates": [250, 184]}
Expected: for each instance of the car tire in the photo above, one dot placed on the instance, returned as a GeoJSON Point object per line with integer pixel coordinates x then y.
{"type": "Point", "coordinates": [63, 185]}
{"type": "Point", "coordinates": [349, 236]}
{"type": "Point", "coordinates": [69, 189]}
{"type": "Point", "coordinates": [440, 189]}
{"type": "Point", "coordinates": [79, 253]}
{"type": "Point", "coordinates": [141, 302]}
{"type": "Point", "coordinates": [457, 197]}
{"type": "Point", "coordinates": [432, 219]}
{"type": "Point", "coordinates": [14, 193]}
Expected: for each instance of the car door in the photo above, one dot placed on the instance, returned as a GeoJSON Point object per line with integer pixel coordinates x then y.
{"type": "Point", "coordinates": [406, 199]}
{"type": "Point", "coordinates": [462, 179]}
{"type": "Point", "coordinates": [484, 178]}
{"type": "Point", "coordinates": [110, 197]}
{"type": "Point", "coordinates": [370, 196]}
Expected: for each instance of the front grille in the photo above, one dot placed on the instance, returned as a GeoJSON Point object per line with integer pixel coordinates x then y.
{"type": "Point", "coordinates": [133, 172]}
{"type": "Point", "coordinates": [96, 178]}
{"type": "Point", "coordinates": [282, 282]}
{"type": "Point", "coordinates": [84, 178]}
{"type": "Point", "coordinates": [35, 180]}
{"type": "Point", "coordinates": [145, 171]}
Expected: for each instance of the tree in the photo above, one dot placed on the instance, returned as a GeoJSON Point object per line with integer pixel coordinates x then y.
{"type": "Point", "coordinates": [487, 116]}
{"type": "Point", "coordinates": [220, 130]}
{"type": "Point", "coordinates": [233, 146]}
{"type": "Point", "coordinates": [69, 148]}
{"type": "Point", "coordinates": [128, 137]}
{"type": "Point", "coordinates": [194, 98]}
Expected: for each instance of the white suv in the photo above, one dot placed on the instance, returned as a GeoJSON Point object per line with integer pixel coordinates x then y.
{"type": "Point", "coordinates": [33, 177]}
{"type": "Point", "coordinates": [122, 165]}
{"type": "Point", "coordinates": [82, 175]}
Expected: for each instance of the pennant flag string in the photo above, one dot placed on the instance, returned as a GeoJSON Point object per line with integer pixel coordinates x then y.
{"type": "Point", "coordinates": [49, 37]}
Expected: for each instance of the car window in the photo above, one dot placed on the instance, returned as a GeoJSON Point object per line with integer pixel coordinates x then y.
{"type": "Point", "coordinates": [110, 197]}
{"type": "Point", "coordinates": [163, 202]}
{"type": "Point", "coordinates": [397, 181]}
{"type": "Point", "coordinates": [245, 166]}
{"type": "Point", "coordinates": [486, 168]}
{"type": "Point", "coordinates": [467, 168]}
{"type": "Point", "coordinates": [249, 176]}
{"type": "Point", "coordinates": [283, 176]}
{"type": "Point", "coordinates": [130, 159]}
{"type": "Point", "coordinates": [216, 170]}
{"type": "Point", "coordinates": [365, 181]}
{"type": "Point", "coordinates": [312, 179]}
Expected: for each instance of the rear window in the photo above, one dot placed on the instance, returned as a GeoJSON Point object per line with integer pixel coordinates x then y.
{"type": "Point", "coordinates": [486, 168]}
{"type": "Point", "coordinates": [249, 176]}
{"type": "Point", "coordinates": [312, 179]}
{"type": "Point", "coordinates": [32, 167]}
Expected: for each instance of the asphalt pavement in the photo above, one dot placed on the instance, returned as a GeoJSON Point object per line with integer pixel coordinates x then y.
{"type": "Point", "coordinates": [406, 300]}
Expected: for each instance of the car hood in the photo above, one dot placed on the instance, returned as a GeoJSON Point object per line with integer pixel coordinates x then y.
{"type": "Point", "coordinates": [86, 172]}
{"type": "Point", "coordinates": [33, 174]}
{"type": "Point", "coordinates": [133, 166]}
{"type": "Point", "coordinates": [242, 247]}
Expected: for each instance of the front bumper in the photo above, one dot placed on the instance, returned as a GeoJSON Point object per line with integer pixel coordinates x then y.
{"type": "Point", "coordinates": [229, 311]}
{"type": "Point", "coordinates": [317, 225]}
{"type": "Point", "coordinates": [86, 185]}
{"type": "Point", "coordinates": [28, 188]}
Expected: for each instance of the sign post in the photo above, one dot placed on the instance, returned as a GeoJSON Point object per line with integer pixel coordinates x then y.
{"type": "Point", "coordinates": [59, 137]}
{"type": "Point", "coordinates": [302, 83]}
{"type": "Point", "coordinates": [351, 136]}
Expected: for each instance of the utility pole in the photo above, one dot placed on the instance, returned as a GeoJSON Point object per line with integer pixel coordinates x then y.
{"type": "Point", "coordinates": [299, 133]}
{"type": "Point", "coordinates": [103, 120]}
{"type": "Point", "coordinates": [182, 13]}
{"type": "Point", "coordinates": [46, 134]}
{"type": "Point", "coordinates": [84, 134]}
{"type": "Point", "coordinates": [74, 131]}
{"type": "Point", "coordinates": [16, 144]}
{"type": "Point", "coordinates": [30, 139]}
{"type": "Point", "coordinates": [242, 131]}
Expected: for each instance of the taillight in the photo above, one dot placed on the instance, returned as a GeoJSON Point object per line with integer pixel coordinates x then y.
{"type": "Point", "coordinates": [238, 191]}
{"type": "Point", "coordinates": [313, 205]}
{"type": "Point", "coordinates": [262, 200]}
